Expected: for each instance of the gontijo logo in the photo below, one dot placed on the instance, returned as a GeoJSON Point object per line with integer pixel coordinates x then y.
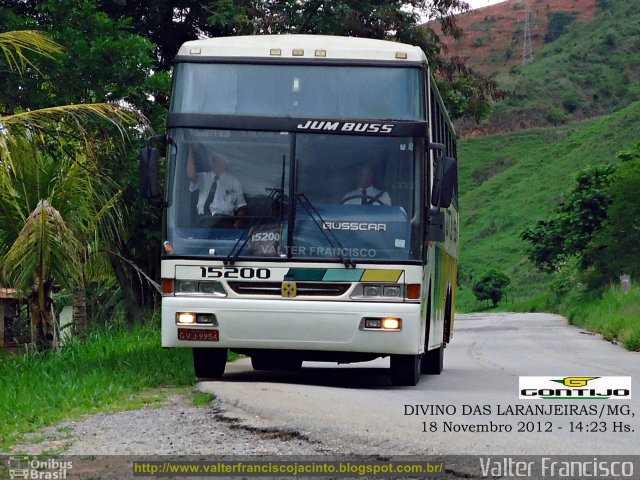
{"type": "Point", "coordinates": [575, 381]}
{"type": "Point", "coordinates": [575, 388]}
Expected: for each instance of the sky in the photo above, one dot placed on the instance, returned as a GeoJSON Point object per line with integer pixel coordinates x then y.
{"type": "Point", "coordinates": [482, 3]}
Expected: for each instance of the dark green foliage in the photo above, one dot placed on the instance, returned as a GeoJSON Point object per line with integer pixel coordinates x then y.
{"type": "Point", "coordinates": [597, 224]}
{"type": "Point", "coordinates": [555, 116]}
{"type": "Point", "coordinates": [571, 101]}
{"type": "Point", "coordinates": [615, 249]}
{"type": "Point", "coordinates": [104, 60]}
{"type": "Point", "coordinates": [491, 286]}
{"type": "Point", "coordinates": [571, 227]}
{"type": "Point", "coordinates": [558, 24]}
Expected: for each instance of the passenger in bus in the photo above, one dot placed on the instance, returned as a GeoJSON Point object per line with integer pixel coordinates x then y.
{"type": "Point", "coordinates": [221, 198]}
{"type": "Point", "coordinates": [366, 193]}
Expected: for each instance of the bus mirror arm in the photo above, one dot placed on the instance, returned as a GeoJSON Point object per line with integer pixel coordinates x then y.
{"type": "Point", "coordinates": [149, 172]}
{"type": "Point", "coordinates": [435, 225]}
{"type": "Point", "coordinates": [439, 147]}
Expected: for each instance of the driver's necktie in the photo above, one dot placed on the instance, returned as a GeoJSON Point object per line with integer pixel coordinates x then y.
{"type": "Point", "coordinates": [364, 196]}
{"type": "Point", "coordinates": [212, 194]}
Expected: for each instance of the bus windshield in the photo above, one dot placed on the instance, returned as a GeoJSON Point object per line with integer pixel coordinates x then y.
{"type": "Point", "coordinates": [314, 91]}
{"type": "Point", "coordinates": [354, 197]}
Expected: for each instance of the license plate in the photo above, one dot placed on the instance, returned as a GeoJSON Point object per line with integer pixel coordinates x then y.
{"type": "Point", "coordinates": [198, 335]}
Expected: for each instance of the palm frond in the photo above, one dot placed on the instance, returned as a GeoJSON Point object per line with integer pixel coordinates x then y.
{"type": "Point", "coordinates": [81, 116]}
{"type": "Point", "coordinates": [15, 44]}
{"type": "Point", "coordinates": [56, 122]}
{"type": "Point", "coordinates": [46, 248]}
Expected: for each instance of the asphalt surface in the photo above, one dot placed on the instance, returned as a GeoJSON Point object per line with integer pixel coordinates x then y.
{"type": "Point", "coordinates": [355, 409]}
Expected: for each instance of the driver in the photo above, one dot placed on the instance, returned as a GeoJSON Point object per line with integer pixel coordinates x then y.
{"type": "Point", "coordinates": [220, 194]}
{"type": "Point", "coordinates": [366, 193]}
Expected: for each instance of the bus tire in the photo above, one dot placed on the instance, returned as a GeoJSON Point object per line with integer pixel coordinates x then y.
{"type": "Point", "coordinates": [405, 370]}
{"type": "Point", "coordinates": [262, 362]}
{"type": "Point", "coordinates": [433, 361]}
{"type": "Point", "coordinates": [292, 364]}
{"type": "Point", "coordinates": [209, 362]}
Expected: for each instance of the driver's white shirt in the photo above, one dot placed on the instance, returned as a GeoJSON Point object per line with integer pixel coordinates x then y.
{"type": "Point", "coordinates": [355, 196]}
{"type": "Point", "coordinates": [229, 196]}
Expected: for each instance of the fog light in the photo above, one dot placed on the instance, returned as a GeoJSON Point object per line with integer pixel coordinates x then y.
{"type": "Point", "coordinates": [391, 323]}
{"type": "Point", "coordinates": [206, 318]}
{"type": "Point", "coordinates": [372, 323]}
{"type": "Point", "coordinates": [371, 290]}
{"type": "Point", "coordinates": [183, 317]}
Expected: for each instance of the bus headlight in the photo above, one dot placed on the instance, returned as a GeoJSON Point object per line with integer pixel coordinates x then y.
{"type": "Point", "coordinates": [378, 292]}
{"type": "Point", "coordinates": [186, 286]}
{"type": "Point", "coordinates": [392, 291]}
{"type": "Point", "coordinates": [371, 290]}
{"type": "Point", "coordinates": [204, 287]}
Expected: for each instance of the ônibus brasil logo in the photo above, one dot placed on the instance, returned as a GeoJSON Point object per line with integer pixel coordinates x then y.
{"type": "Point", "coordinates": [575, 388]}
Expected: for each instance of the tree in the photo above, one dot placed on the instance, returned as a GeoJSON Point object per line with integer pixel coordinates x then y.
{"type": "Point", "coordinates": [103, 60]}
{"type": "Point", "coordinates": [615, 249]}
{"type": "Point", "coordinates": [491, 286]}
{"type": "Point", "coordinates": [52, 198]}
{"type": "Point", "coordinates": [597, 225]}
{"type": "Point", "coordinates": [170, 23]}
{"type": "Point", "coordinates": [572, 225]}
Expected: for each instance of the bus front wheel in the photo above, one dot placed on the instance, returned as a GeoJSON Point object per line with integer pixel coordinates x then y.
{"type": "Point", "coordinates": [209, 362]}
{"type": "Point", "coordinates": [405, 370]}
{"type": "Point", "coordinates": [433, 361]}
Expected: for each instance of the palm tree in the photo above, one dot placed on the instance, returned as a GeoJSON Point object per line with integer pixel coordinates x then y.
{"type": "Point", "coordinates": [55, 206]}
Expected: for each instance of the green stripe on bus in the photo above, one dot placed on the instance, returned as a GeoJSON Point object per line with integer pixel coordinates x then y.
{"type": "Point", "coordinates": [305, 274]}
{"type": "Point", "coordinates": [342, 275]}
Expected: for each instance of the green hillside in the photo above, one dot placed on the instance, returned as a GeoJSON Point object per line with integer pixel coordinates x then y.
{"type": "Point", "coordinates": [592, 69]}
{"type": "Point", "coordinates": [509, 181]}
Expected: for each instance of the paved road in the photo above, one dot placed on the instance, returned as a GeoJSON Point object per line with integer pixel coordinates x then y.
{"type": "Point", "coordinates": [356, 409]}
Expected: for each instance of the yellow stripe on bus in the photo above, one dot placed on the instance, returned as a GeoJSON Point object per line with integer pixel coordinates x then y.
{"type": "Point", "coordinates": [381, 276]}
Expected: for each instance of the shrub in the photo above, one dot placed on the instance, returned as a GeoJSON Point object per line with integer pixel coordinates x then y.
{"type": "Point", "coordinates": [555, 116]}
{"type": "Point", "coordinates": [558, 24]}
{"type": "Point", "coordinates": [491, 286]}
{"type": "Point", "coordinates": [571, 101]}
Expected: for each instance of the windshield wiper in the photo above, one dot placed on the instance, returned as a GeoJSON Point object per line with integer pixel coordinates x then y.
{"type": "Point", "coordinates": [274, 194]}
{"type": "Point", "coordinates": [328, 234]}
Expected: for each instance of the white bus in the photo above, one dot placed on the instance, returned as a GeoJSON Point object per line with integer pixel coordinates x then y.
{"type": "Point", "coordinates": [310, 205]}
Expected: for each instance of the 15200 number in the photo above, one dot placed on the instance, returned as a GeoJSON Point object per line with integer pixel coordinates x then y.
{"type": "Point", "coordinates": [235, 272]}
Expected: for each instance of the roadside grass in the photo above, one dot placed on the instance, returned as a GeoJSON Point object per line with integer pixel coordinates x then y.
{"type": "Point", "coordinates": [113, 370]}
{"type": "Point", "coordinates": [201, 399]}
{"type": "Point", "coordinates": [615, 315]}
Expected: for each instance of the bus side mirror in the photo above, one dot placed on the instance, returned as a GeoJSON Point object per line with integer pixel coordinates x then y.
{"type": "Point", "coordinates": [149, 171]}
{"type": "Point", "coordinates": [149, 174]}
{"type": "Point", "coordinates": [444, 182]}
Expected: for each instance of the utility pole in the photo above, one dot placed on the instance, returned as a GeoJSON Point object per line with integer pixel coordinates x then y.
{"type": "Point", "coordinates": [527, 51]}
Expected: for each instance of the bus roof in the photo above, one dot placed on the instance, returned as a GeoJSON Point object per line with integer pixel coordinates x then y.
{"type": "Point", "coordinates": [303, 47]}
